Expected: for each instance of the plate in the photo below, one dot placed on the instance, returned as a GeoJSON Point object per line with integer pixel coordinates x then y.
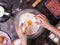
{"type": "Point", "coordinates": [7, 40]}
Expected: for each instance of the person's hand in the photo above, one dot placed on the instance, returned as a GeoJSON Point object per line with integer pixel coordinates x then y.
{"type": "Point", "coordinates": [43, 21]}
{"type": "Point", "coordinates": [22, 35]}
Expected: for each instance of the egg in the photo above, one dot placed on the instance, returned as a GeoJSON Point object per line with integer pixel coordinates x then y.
{"type": "Point", "coordinates": [52, 36]}
{"type": "Point", "coordinates": [1, 39]}
{"type": "Point", "coordinates": [29, 23]}
{"type": "Point", "coordinates": [56, 40]}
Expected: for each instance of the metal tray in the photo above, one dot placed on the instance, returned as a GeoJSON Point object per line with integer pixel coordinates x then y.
{"type": "Point", "coordinates": [50, 9]}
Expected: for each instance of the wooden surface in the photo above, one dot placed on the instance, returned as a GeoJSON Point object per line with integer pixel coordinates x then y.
{"type": "Point", "coordinates": [36, 3]}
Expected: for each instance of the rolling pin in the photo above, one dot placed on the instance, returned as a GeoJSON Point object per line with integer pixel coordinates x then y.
{"type": "Point", "coordinates": [36, 3]}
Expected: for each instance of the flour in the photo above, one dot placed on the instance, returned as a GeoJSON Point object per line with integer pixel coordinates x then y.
{"type": "Point", "coordinates": [34, 27]}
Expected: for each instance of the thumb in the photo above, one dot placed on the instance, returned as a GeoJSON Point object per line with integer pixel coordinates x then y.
{"type": "Point", "coordinates": [26, 28]}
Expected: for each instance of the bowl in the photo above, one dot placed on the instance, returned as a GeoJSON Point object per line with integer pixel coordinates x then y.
{"type": "Point", "coordinates": [17, 18]}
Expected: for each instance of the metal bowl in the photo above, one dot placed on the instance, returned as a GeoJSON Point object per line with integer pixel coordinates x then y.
{"type": "Point", "coordinates": [40, 30]}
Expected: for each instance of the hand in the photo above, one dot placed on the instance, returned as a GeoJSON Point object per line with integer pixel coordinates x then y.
{"type": "Point", "coordinates": [22, 35]}
{"type": "Point", "coordinates": [43, 21]}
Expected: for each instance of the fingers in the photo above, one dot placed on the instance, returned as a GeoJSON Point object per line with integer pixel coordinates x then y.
{"type": "Point", "coordinates": [25, 29]}
{"type": "Point", "coordinates": [20, 26]}
{"type": "Point", "coordinates": [41, 16]}
{"type": "Point", "coordinates": [37, 23]}
{"type": "Point", "coordinates": [38, 19]}
{"type": "Point", "coordinates": [19, 30]}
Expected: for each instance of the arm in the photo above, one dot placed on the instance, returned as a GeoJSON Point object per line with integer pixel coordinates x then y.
{"type": "Point", "coordinates": [54, 30]}
{"type": "Point", "coordinates": [45, 23]}
{"type": "Point", "coordinates": [22, 35]}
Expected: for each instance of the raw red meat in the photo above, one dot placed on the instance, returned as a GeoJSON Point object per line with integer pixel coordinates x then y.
{"type": "Point", "coordinates": [54, 7]}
